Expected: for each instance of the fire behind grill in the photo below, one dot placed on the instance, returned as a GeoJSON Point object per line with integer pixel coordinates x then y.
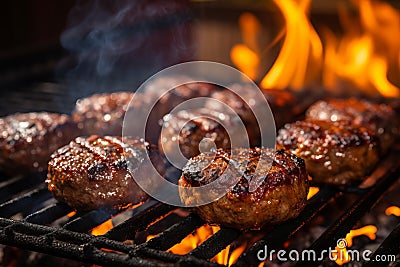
{"type": "Point", "coordinates": [40, 212]}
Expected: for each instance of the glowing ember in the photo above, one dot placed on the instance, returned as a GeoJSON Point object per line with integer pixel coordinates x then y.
{"type": "Point", "coordinates": [71, 214]}
{"type": "Point", "coordinates": [312, 191]}
{"type": "Point", "coordinates": [341, 254]}
{"type": "Point", "coordinates": [225, 257]}
{"type": "Point", "coordinates": [103, 228]}
{"type": "Point", "coordinates": [393, 210]}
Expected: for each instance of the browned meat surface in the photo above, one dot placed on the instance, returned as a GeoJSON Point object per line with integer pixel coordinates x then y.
{"type": "Point", "coordinates": [378, 117]}
{"type": "Point", "coordinates": [168, 101]}
{"type": "Point", "coordinates": [102, 114]}
{"type": "Point", "coordinates": [93, 172]}
{"type": "Point", "coordinates": [185, 131]}
{"type": "Point", "coordinates": [335, 153]}
{"type": "Point", "coordinates": [244, 111]}
{"type": "Point", "coordinates": [281, 196]}
{"type": "Point", "coordinates": [28, 139]}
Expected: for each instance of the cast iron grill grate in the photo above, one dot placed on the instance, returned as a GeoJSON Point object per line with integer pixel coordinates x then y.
{"type": "Point", "coordinates": [36, 230]}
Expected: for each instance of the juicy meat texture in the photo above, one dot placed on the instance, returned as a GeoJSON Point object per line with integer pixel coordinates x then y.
{"type": "Point", "coordinates": [92, 172]}
{"type": "Point", "coordinates": [281, 196]}
{"type": "Point", "coordinates": [335, 153]}
{"type": "Point", "coordinates": [167, 101]}
{"type": "Point", "coordinates": [380, 118]}
{"type": "Point", "coordinates": [185, 131]}
{"type": "Point", "coordinates": [102, 114]}
{"type": "Point", "coordinates": [223, 98]}
{"type": "Point", "coordinates": [28, 139]}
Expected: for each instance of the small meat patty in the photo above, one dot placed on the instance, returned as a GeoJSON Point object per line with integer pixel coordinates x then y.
{"type": "Point", "coordinates": [335, 153]}
{"type": "Point", "coordinates": [378, 117]}
{"type": "Point", "coordinates": [102, 114]}
{"type": "Point", "coordinates": [92, 172]}
{"type": "Point", "coordinates": [185, 131]}
{"type": "Point", "coordinates": [28, 139]}
{"type": "Point", "coordinates": [281, 196]}
{"type": "Point", "coordinates": [244, 110]}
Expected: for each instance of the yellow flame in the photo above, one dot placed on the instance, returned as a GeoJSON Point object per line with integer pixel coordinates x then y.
{"type": "Point", "coordinates": [301, 44]}
{"type": "Point", "coordinates": [312, 191]}
{"type": "Point", "coordinates": [366, 57]}
{"type": "Point", "coordinates": [362, 57]}
{"type": "Point", "coordinates": [190, 242]}
{"type": "Point", "coordinates": [393, 210]}
{"type": "Point", "coordinates": [341, 254]}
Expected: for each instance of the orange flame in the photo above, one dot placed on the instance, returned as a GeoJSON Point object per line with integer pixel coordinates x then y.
{"type": "Point", "coordinates": [393, 210]}
{"type": "Point", "coordinates": [341, 254]}
{"type": "Point", "coordinates": [362, 57]}
{"type": "Point", "coordinates": [367, 56]}
{"type": "Point", "coordinates": [103, 228]}
{"type": "Point", "coordinates": [190, 242]}
{"type": "Point", "coordinates": [71, 214]}
{"type": "Point", "coordinates": [312, 191]}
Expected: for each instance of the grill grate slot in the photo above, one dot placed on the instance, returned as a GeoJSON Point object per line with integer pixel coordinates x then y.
{"type": "Point", "coordinates": [390, 246]}
{"type": "Point", "coordinates": [175, 233]}
{"type": "Point", "coordinates": [349, 218]}
{"type": "Point", "coordinates": [215, 243]}
{"type": "Point", "coordinates": [49, 214]}
{"type": "Point", "coordinates": [23, 204]}
{"type": "Point", "coordinates": [13, 186]}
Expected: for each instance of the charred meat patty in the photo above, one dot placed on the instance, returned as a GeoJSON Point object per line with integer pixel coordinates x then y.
{"type": "Point", "coordinates": [335, 153]}
{"type": "Point", "coordinates": [102, 114]}
{"type": "Point", "coordinates": [378, 117]}
{"type": "Point", "coordinates": [93, 172]}
{"type": "Point", "coordinates": [281, 196]}
{"type": "Point", "coordinates": [28, 139]}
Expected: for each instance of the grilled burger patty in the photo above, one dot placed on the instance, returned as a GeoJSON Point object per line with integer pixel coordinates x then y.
{"type": "Point", "coordinates": [93, 172]}
{"type": "Point", "coordinates": [186, 129]}
{"type": "Point", "coordinates": [102, 114]}
{"type": "Point", "coordinates": [335, 153]}
{"type": "Point", "coordinates": [28, 139]}
{"type": "Point", "coordinates": [378, 117]}
{"type": "Point", "coordinates": [281, 196]}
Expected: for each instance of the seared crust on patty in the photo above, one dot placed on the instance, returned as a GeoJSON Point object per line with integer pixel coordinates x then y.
{"type": "Point", "coordinates": [378, 117]}
{"type": "Point", "coordinates": [102, 114]}
{"type": "Point", "coordinates": [92, 172]}
{"type": "Point", "coordinates": [28, 139]}
{"type": "Point", "coordinates": [281, 196]}
{"type": "Point", "coordinates": [335, 153]}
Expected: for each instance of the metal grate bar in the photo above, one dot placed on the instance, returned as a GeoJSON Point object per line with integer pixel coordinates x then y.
{"type": "Point", "coordinates": [349, 218]}
{"type": "Point", "coordinates": [49, 213]}
{"type": "Point", "coordinates": [140, 221]}
{"type": "Point", "coordinates": [217, 242]}
{"type": "Point", "coordinates": [89, 220]}
{"type": "Point", "coordinates": [175, 233]}
{"type": "Point", "coordinates": [13, 186]}
{"type": "Point", "coordinates": [282, 232]}
{"type": "Point", "coordinates": [24, 203]}
{"type": "Point", "coordinates": [390, 246]}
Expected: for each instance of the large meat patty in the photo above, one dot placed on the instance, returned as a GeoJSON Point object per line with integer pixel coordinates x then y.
{"type": "Point", "coordinates": [92, 172]}
{"type": "Point", "coordinates": [281, 196]}
{"type": "Point", "coordinates": [335, 153]}
{"type": "Point", "coordinates": [378, 117]}
{"type": "Point", "coordinates": [28, 139]}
